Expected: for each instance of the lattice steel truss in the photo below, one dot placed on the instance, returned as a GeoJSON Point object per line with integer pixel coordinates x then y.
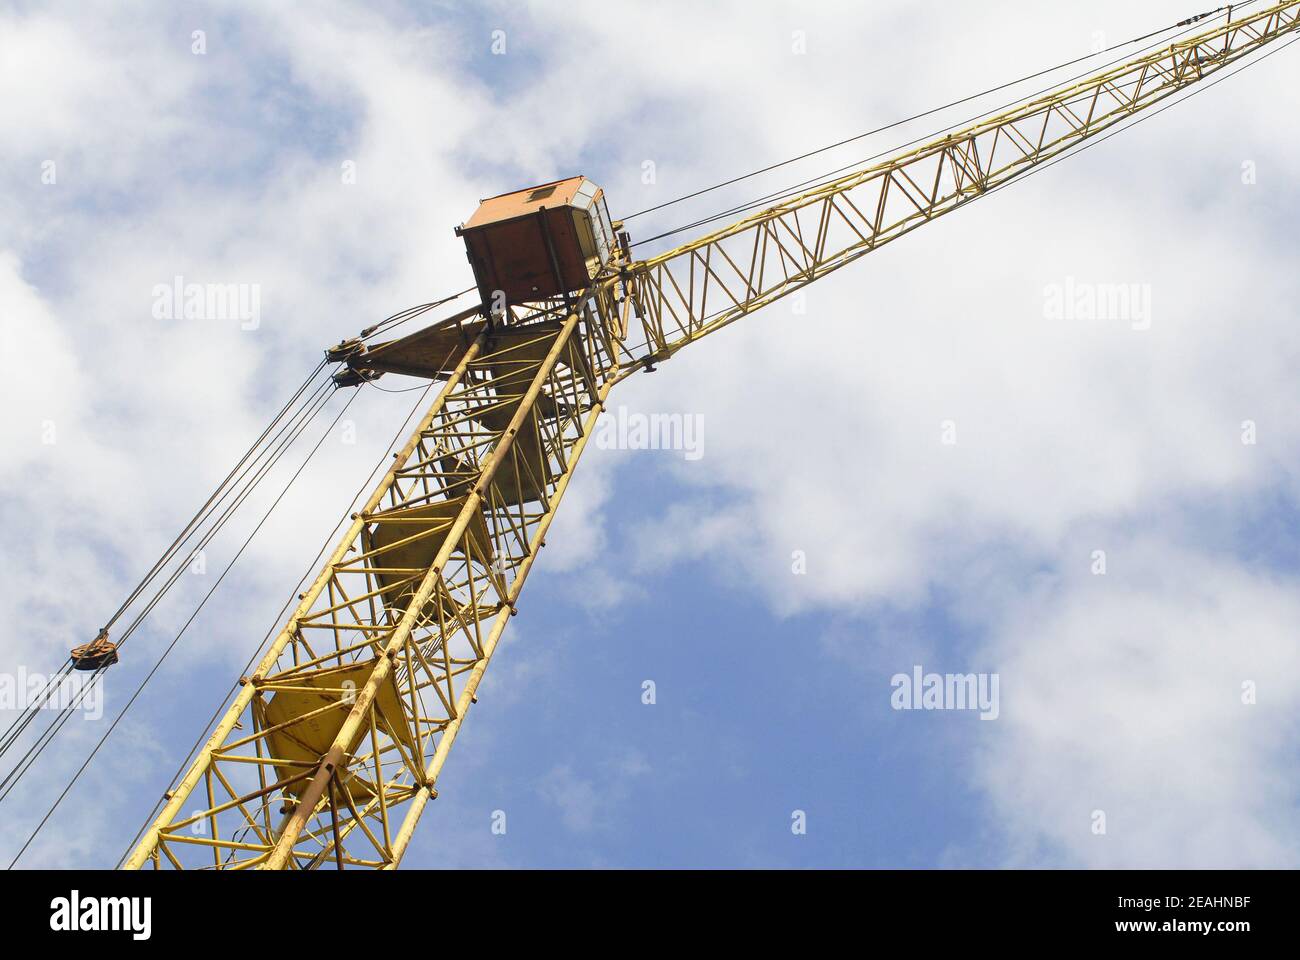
{"type": "Point", "coordinates": [347, 721]}
{"type": "Point", "coordinates": [695, 289]}
{"type": "Point", "coordinates": [332, 748]}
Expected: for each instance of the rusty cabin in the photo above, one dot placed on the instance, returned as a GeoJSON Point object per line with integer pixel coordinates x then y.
{"type": "Point", "coordinates": [546, 241]}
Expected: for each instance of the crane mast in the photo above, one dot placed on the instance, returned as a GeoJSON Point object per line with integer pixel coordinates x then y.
{"type": "Point", "coordinates": [331, 749]}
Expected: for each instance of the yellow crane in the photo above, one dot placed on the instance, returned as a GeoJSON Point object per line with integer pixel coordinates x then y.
{"type": "Point", "coordinates": [332, 747]}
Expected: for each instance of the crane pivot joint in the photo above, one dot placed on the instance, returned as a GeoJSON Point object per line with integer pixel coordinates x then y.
{"type": "Point", "coordinates": [344, 349]}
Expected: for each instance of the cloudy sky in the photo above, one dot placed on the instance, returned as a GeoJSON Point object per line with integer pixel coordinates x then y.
{"type": "Point", "coordinates": [326, 156]}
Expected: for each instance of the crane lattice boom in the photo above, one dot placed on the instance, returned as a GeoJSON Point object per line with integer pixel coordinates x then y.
{"type": "Point", "coordinates": [331, 749]}
{"type": "Point", "coordinates": [697, 288]}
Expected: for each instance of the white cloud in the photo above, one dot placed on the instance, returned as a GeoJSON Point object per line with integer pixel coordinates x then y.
{"type": "Point", "coordinates": [1124, 693]}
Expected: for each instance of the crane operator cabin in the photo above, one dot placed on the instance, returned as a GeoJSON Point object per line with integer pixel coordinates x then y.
{"type": "Point", "coordinates": [545, 241]}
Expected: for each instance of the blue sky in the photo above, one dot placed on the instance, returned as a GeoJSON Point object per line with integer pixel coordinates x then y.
{"type": "Point", "coordinates": [1119, 693]}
